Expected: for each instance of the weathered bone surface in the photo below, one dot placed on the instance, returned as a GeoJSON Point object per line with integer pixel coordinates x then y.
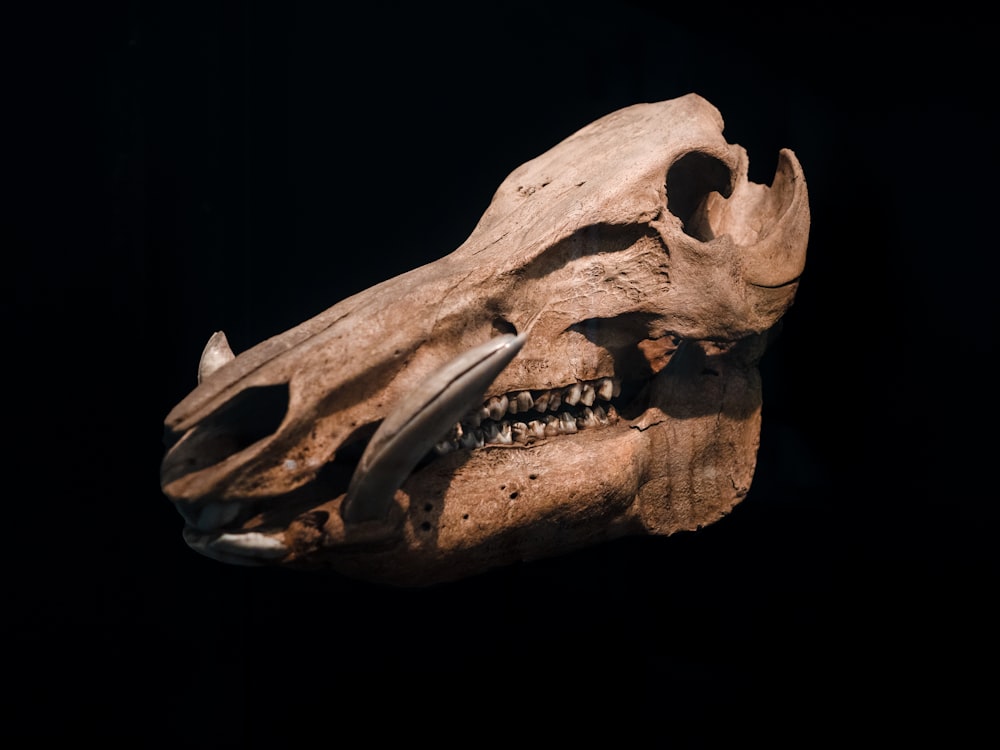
{"type": "Point", "coordinates": [583, 367]}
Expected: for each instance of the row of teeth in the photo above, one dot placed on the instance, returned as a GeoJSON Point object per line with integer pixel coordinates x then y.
{"type": "Point", "coordinates": [551, 414]}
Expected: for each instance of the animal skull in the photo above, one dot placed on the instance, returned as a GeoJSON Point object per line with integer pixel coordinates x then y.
{"type": "Point", "coordinates": [583, 367]}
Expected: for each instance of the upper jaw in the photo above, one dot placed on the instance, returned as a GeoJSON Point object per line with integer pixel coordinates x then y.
{"type": "Point", "coordinates": [254, 531]}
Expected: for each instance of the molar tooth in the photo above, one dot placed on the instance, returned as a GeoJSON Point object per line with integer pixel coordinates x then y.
{"type": "Point", "coordinates": [497, 406]}
{"type": "Point", "coordinates": [490, 432]}
{"type": "Point", "coordinates": [586, 419]}
{"type": "Point", "coordinates": [542, 401]}
{"type": "Point", "coordinates": [605, 389]}
{"type": "Point", "coordinates": [587, 394]}
{"type": "Point", "coordinates": [600, 415]}
{"type": "Point", "coordinates": [524, 401]}
{"type": "Point", "coordinates": [616, 387]}
{"type": "Point", "coordinates": [551, 425]}
{"type": "Point", "coordinates": [503, 436]}
{"type": "Point", "coordinates": [472, 439]}
{"type": "Point", "coordinates": [612, 414]}
{"type": "Point", "coordinates": [572, 394]}
{"type": "Point", "coordinates": [519, 432]}
{"type": "Point", "coordinates": [536, 428]}
{"type": "Point", "coordinates": [567, 424]}
{"type": "Point", "coordinates": [555, 400]}
{"type": "Point", "coordinates": [443, 446]}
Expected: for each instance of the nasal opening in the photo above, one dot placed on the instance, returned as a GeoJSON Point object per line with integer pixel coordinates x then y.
{"type": "Point", "coordinates": [252, 415]}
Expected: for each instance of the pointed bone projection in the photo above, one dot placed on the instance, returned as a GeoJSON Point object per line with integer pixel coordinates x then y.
{"type": "Point", "coordinates": [582, 367]}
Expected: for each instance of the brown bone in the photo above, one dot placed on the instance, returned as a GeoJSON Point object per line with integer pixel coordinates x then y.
{"type": "Point", "coordinates": [636, 249]}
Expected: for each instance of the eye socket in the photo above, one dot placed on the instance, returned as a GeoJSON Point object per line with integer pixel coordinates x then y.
{"type": "Point", "coordinates": [690, 180]}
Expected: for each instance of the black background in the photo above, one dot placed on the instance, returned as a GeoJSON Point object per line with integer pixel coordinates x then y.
{"type": "Point", "coordinates": [180, 169]}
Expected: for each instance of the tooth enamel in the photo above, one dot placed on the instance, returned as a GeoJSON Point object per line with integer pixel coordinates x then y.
{"type": "Point", "coordinates": [524, 401]}
{"type": "Point", "coordinates": [490, 432]}
{"type": "Point", "coordinates": [567, 423]}
{"type": "Point", "coordinates": [519, 432]}
{"type": "Point", "coordinates": [216, 515]}
{"type": "Point", "coordinates": [587, 395]}
{"type": "Point", "coordinates": [472, 439]}
{"type": "Point", "coordinates": [572, 394]}
{"type": "Point", "coordinates": [497, 406]}
{"type": "Point", "coordinates": [536, 429]}
{"type": "Point", "coordinates": [551, 425]}
{"type": "Point", "coordinates": [250, 543]}
{"type": "Point", "coordinates": [504, 436]}
{"type": "Point", "coordinates": [542, 401]}
{"type": "Point", "coordinates": [215, 354]}
{"type": "Point", "coordinates": [445, 446]}
{"type": "Point", "coordinates": [555, 400]}
{"type": "Point", "coordinates": [600, 415]}
{"type": "Point", "coordinates": [612, 414]}
{"type": "Point", "coordinates": [616, 388]}
{"type": "Point", "coordinates": [586, 419]}
{"type": "Point", "coordinates": [605, 389]}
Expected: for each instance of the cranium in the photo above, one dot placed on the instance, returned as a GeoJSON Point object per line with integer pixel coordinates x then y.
{"type": "Point", "coordinates": [582, 367]}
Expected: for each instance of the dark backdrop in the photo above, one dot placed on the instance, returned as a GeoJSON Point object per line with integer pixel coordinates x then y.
{"type": "Point", "coordinates": [179, 169]}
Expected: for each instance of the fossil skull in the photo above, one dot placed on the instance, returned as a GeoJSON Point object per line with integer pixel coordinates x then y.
{"type": "Point", "coordinates": [582, 367]}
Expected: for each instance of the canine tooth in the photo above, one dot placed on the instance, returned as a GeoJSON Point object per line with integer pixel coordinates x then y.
{"type": "Point", "coordinates": [216, 353]}
{"type": "Point", "coordinates": [497, 406]}
{"type": "Point", "coordinates": [555, 400]}
{"type": "Point", "coordinates": [551, 425]}
{"type": "Point", "coordinates": [572, 394]}
{"type": "Point", "coordinates": [215, 515]}
{"type": "Point", "coordinates": [567, 423]}
{"type": "Point", "coordinates": [519, 432]}
{"type": "Point", "coordinates": [250, 543]}
{"type": "Point", "coordinates": [605, 389]}
{"type": "Point", "coordinates": [413, 427]}
{"type": "Point", "coordinates": [586, 419]}
{"type": "Point", "coordinates": [503, 435]}
{"type": "Point", "coordinates": [587, 395]}
{"type": "Point", "coordinates": [536, 429]}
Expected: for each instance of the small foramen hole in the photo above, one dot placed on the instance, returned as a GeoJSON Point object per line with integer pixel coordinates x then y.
{"type": "Point", "coordinates": [425, 526]}
{"type": "Point", "coordinates": [532, 476]}
{"type": "Point", "coordinates": [500, 326]}
{"type": "Point", "coordinates": [465, 516]}
{"type": "Point", "coordinates": [513, 495]}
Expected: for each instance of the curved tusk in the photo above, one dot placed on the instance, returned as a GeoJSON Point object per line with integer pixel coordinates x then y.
{"type": "Point", "coordinates": [779, 255]}
{"type": "Point", "coordinates": [215, 354]}
{"type": "Point", "coordinates": [408, 433]}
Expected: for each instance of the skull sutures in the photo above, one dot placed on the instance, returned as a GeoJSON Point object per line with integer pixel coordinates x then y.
{"type": "Point", "coordinates": [583, 367]}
